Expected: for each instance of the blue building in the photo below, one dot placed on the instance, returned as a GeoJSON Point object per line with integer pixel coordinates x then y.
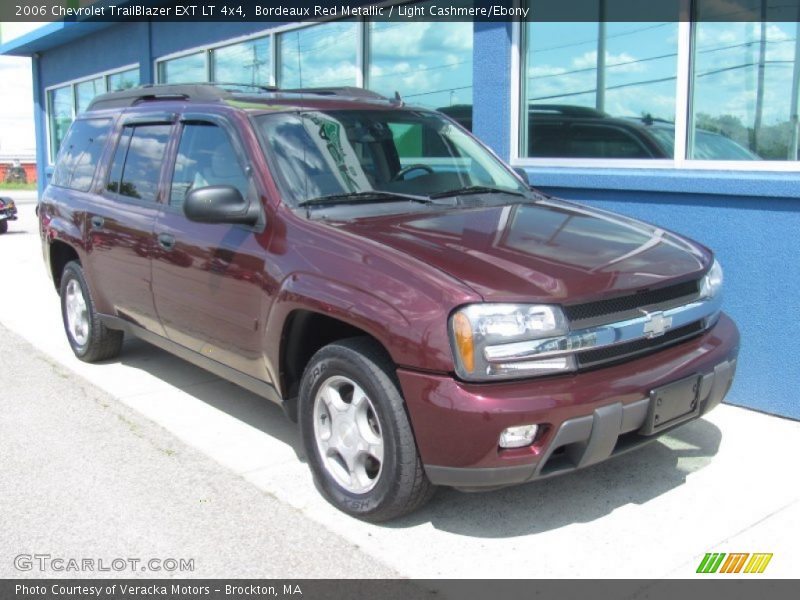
{"type": "Point", "coordinates": [692, 126]}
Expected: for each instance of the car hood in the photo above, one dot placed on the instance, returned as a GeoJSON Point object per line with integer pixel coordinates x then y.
{"type": "Point", "coordinates": [547, 251]}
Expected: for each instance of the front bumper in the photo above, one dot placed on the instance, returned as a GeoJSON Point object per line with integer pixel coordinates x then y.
{"type": "Point", "coordinates": [584, 418]}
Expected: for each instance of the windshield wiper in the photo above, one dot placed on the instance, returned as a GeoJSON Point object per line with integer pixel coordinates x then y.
{"type": "Point", "coordinates": [364, 198]}
{"type": "Point", "coordinates": [477, 189]}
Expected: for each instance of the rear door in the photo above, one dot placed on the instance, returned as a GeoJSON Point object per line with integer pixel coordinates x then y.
{"type": "Point", "coordinates": [208, 279]}
{"type": "Point", "coordinates": [120, 222]}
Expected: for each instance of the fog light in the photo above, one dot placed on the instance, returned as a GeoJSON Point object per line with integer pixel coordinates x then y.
{"type": "Point", "coordinates": [519, 436]}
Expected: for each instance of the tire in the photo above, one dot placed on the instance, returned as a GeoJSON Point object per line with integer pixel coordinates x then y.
{"type": "Point", "coordinates": [396, 485]}
{"type": "Point", "coordinates": [3, 226]}
{"type": "Point", "coordinates": [93, 341]}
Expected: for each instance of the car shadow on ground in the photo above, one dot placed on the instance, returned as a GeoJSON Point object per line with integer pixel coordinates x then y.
{"type": "Point", "coordinates": [579, 497]}
{"type": "Point", "coordinates": [237, 402]}
{"type": "Point", "coordinates": [583, 496]}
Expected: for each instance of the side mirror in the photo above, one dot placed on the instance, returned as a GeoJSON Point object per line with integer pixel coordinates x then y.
{"type": "Point", "coordinates": [219, 204]}
{"type": "Point", "coordinates": [523, 174]}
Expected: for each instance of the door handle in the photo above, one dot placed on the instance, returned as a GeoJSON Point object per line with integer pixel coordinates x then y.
{"type": "Point", "coordinates": [166, 241]}
{"type": "Point", "coordinates": [98, 222]}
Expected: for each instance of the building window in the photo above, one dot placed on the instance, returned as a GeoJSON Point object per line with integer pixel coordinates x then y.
{"type": "Point", "coordinates": [124, 80]}
{"type": "Point", "coordinates": [186, 69]}
{"type": "Point", "coordinates": [86, 91]}
{"type": "Point", "coordinates": [60, 114]}
{"type": "Point", "coordinates": [427, 63]}
{"type": "Point", "coordinates": [744, 92]}
{"type": "Point", "coordinates": [598, 90]}
{"type": "Point", "coordinates": [248, 63]}
{"type": "Point", "coordinates": [66, 101]}
{"type": "Point", "coordinates": [323, 55]}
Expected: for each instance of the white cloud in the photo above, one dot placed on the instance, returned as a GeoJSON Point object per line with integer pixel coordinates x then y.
{"type": "Point", "coordinates": [16, 116]}
{"type": "Point", "coordinates": [399, 40]}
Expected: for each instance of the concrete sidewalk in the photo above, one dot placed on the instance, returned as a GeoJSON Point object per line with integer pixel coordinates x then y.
{"type": "Point", "coordinates": [722, 484]}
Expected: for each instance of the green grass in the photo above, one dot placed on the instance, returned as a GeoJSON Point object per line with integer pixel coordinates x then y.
{"type": "Point", "coordinates": [17, 186]}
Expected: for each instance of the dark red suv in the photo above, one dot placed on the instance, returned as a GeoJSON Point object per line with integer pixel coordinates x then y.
{"type": "Point", "coordinates": [426, 316]}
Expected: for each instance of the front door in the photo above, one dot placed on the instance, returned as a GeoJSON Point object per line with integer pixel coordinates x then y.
{"type": "Point", "coordinates": [208, 279]}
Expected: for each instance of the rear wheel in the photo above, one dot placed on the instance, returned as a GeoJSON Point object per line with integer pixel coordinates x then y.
{"type": "Point", "coordinates": [356, 433]}
{"type": "Point", "coordinates": [91, 341]}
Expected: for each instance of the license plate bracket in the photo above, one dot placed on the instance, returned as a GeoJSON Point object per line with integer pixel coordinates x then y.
{"type": "Point", "coordinates": [671, 404]}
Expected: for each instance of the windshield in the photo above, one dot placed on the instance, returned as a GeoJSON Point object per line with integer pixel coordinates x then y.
{"type": "Point", "coordinates": [414, 153]}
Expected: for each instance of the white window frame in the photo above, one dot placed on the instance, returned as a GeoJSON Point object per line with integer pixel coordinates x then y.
{"type": "Point", "coordinates": [72, 84]}
{"type": "Point", "coordinates": [683, 100]}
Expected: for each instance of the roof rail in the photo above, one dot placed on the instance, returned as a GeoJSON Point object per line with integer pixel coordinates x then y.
{"type": "Point", "coordinates": [144, 93]}
{"type": "Point", "coordinates": [214, 92]}
{"type": "Point", "coordinates": [348, 91]}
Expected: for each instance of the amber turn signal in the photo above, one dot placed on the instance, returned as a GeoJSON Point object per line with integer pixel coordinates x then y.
{"type": "Point", "coordinates": [462, 331]}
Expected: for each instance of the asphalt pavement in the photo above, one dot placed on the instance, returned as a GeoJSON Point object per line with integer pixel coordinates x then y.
{"type": "Point", "coordinates": [85, 477]}
{"type": "Point", "coordinates": [182, 463]}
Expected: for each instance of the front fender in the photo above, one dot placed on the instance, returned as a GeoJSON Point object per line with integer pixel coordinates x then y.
{"type": "Point", "coordinates": [406, 344]}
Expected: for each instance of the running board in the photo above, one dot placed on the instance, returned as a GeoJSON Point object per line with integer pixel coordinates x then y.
{"type": "Point", "coordinates": [257, 386]}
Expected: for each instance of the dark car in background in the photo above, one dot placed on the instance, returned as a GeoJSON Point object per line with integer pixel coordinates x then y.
{"type": "Point", "coordinates": [8, 212]}
{"type": "Point", "coordinates": [425, 315]}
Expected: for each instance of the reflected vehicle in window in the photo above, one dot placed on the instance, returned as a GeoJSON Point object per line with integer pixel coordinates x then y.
{"type": "Point", "coordinates": [424, 315]}
{"type": "Point", "coordinates": [707, 145]}
{"type": "Point", "coordinates": [578, 132]}
{"type": "Point", "coordinates": [565, 131]}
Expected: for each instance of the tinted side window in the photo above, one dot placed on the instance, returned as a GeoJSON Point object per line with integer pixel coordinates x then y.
{"type": "Point", "coordinates": [115, 175]}
{"type": "Point", "coordinates": [80, 153]}
{"type": "Point", "coordinates": [206, 157]}
{"type": "Point", "coordinates": [137, 164]}
{"type": "Point", "coordinates": [598, 141]}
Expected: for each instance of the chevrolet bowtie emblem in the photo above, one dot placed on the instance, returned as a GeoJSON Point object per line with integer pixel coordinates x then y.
{"type": "Point", "coordinates": [656, 324]}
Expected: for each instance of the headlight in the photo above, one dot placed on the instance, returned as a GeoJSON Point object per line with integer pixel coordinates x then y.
{"type": "Point", "coordinates": [712, 282]}
{"type": "Point", "coordinates": [478, 331]}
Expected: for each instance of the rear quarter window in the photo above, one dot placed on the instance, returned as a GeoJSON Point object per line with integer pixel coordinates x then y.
{"type": "Point", "coordinates": [80, 153]}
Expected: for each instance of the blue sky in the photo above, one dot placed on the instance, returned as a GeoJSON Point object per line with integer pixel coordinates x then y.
{"type": "Point", "coordinates": [562, 57]}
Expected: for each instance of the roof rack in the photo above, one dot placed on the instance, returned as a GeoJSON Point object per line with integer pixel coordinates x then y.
{"type": "Point", "coordinates": [146, 93]}
{"type": "Point", "coordinates": [347, 91]}
{"type": "Point", "coordinates": [214, 92]}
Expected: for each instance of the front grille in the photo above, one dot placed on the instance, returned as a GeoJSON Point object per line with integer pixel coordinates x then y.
{"type": "Point", "coordinates": [592, 358]}
{"type": "Point", "coordinates": [593, 310]}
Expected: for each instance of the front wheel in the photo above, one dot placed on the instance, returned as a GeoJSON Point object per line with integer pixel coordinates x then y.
{"type": "Point", "coordinates": [356, 433]}
{"type": "Point", "coordinates": [3, 225]}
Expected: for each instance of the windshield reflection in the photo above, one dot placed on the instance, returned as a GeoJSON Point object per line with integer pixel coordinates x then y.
{"type": "Point", "coordinates": [334, 153]}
